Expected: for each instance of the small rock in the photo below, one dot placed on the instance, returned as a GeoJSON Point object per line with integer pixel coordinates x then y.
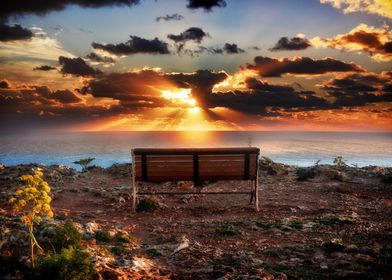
{"type": "Point", "coordinates": [91, 227]}
{"type": "Point", "coordinates": [123, 262]}
{"type": "Point", "coordinates": [323, 266]}
{"type": "Point", "coordinates": [364, 259]}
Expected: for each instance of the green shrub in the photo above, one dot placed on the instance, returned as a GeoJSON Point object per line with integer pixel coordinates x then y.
{"type": "Point", "coordinates": [117, 250]}
{"type": "Point", "coordinates": [328, 221]}
{"type": "Point", "coordinates": [387, 178]}
{"type": "Point", "coordinates": [335, 245]}
{"type": "Point", "coordinates": [146, 205]}
{"type": "Point", "coordinates": [84, 163]}
{"type": "Point", "coordinates": [296, 224]}
{"type": "Point", "coordinates": [270, 224]}
{"type": "Point", "coordinates": [103, 236]}
{"type": "Point", "coordinates": [290, 271]}
{"type": "Point", "coordinates": [304, 173]}
{"type": "Point", "coordinates": [66, 235]}
{"type": "Point", "coordinates": [228, 230]}
{"type": "Point", "coordinates": [70, 264]}
{"type": "Point", "coordinates": [119, 237]}
{"type": "Point", "coordinates": [384, 258]}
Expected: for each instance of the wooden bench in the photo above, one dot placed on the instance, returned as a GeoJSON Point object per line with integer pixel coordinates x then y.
{"type": "Point", "coordinates": [196, 164]}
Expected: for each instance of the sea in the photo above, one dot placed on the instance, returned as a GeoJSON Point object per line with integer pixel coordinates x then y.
{"type": "Point", "coordinates": [295, 148]}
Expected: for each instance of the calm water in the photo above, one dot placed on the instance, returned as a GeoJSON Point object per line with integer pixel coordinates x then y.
{"type": "Point", "coordinates": [299, 148]}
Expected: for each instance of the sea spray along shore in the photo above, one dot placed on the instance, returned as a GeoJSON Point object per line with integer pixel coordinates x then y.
{"type": "Point", "coordinates": [320, 222]}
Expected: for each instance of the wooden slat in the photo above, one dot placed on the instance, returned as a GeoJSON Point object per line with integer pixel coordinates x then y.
{"type": "Point", "coordinates": [200, 151]}
{"type": "Point", "coordinates": [175, 158]}
{"type": "Point", "coordinates": [239, 157]}
{"type": "Point", "coordinates": [194, 164]}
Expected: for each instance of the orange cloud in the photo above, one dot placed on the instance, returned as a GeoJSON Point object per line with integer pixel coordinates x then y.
{"type": "Point", "coordinates": [377, 7]}
{"type": "Point", "coordinates": [363, 38]}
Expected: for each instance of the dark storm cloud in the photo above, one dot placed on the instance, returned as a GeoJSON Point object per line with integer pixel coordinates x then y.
{"type": "Point", "coordinates": [44, 68]}
{"type": "Point", "coordinates": [359, 89]}
{"type": "Point", "coordinates": [62, 96]}
{"type": "Point", "coordinates": [261, 95]}
{"type": "Point", "coordinates": [207, 5]}
{"type": "Point", "coordinates": [293, 44]}
{"type": "Point", "coordinates": [273, 67]}
{"type": "Point", "coordinates": [97, 58]}
{"type": "Point", "coordinates": [32, 95]}
{"type": "Point", "coordinates": [14, 33]}
{"type": "Point", "coordinates": [134, 46]}
{"type": "Point", "coordinates": [232, 49]}
{"type": "Point", "coordinates": [201, 82]}
{"type": "Point", "coordinates": [133, 90]}
{"type": "Point", "coordinates": [41, 7]}
{"type": "Point", "coordinates": [195, 34]}
{"type": "Point", "coordinates": [170, 17]}
{"type": "Point", "coordinates": [4, 84]}
{"type": "Point", "coordinates": [31, 106]}
{"type": "Point", "coordinates": [76, 67]}
{"type": "Point", "coordinates": [227, 49]}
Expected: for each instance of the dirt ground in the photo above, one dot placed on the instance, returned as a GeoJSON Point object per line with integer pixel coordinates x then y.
{"type": "Point", "coordinates": [223, 237]}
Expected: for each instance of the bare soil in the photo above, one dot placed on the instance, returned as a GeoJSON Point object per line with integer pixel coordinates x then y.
{"type": "Point", "coordinates": [223, 236]}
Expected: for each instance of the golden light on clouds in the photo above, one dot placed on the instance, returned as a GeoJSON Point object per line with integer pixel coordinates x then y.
{"type": "Point", "coordinates": [362, 38]}
{"type": "Point", "coordinates": [181, 96]}
{"type": "Point", "coordinates": [235, 81]}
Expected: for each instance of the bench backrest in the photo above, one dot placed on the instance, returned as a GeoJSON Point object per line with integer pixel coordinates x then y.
{"type": "Point", "coordinates": [159, 165]}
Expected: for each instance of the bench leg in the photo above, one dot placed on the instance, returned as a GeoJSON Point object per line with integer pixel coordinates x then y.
{"type": "Point", "coordinates": [252, 192]}
{"type": "Point", "coordinates": [134, 188]}
{"type": "Point", "coordinates": [257, 194]}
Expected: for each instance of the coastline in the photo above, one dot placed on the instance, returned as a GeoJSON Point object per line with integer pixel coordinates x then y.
{"type": "Point", "coordinates": [291, 237]}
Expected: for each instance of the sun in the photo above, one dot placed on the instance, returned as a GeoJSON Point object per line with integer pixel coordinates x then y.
{"type": "Point", "coordinates": [181, 96]}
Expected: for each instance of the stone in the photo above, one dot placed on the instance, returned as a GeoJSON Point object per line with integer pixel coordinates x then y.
{"type": "Point", "coordinates": [91, 227]}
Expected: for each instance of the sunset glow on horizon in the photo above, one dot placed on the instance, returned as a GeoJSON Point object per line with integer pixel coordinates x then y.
{"type": "Point", "coordinates": [223, 65]}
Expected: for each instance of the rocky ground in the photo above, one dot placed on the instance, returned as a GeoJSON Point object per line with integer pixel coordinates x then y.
{"type": "Point", "coordinates": [334, 223]}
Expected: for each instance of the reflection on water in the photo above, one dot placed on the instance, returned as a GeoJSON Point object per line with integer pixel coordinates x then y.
{"type": "Point", "coordinates": [300, 148]}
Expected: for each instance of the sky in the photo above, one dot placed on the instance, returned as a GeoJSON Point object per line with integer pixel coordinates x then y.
{"type": "Point", "coordinates": [126, 65]}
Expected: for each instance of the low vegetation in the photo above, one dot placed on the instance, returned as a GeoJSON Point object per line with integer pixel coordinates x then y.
{"type": "Point", "coordinates": [84, 163]}
{"type": "Point", "coordinates": [147, 205]}
{"type": "Point", "coordinates": [305, 173]}
{"type": "Point", "coordinates": [32, 201]}
{"type": "Point", "coordinates": [70, 264]}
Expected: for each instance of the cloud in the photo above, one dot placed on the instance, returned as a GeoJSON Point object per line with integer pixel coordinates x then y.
{"type": "Point", "coordinates": [170, 17]}
{"type": "Point", "coordinates": [76, 67]}
{"type": "Point", "coordinates": [201, 82]}
{"type": "Point", "coordinates": [134, 46]}
{"type": "Point", "coordinates": [33, 106]}
{"type": "Point", "coordinates": [359, 89]}
{"type": "Point", "coordinates": [195, 34]}
{"type": "Point", "coordinates": [14, 33]}
{"type": "Point", "coordinates": [20, 7]}
{"type": "Point", "coordinates": [293, 44]}
{"type": "Point", "coordinates": [274, 67]}
{"type": "Point", "coordinates": [227, 49]}
{"type": "Point", "coordinates": [100, 59]}
{"type": "Point", "coordinates": [378, 7]}
{"type": "Point", "coordinates": [133, 90]}
{"type": "Point", "coordinates": [29, 96]}
{"type": "Point", "coordinates": [376, 41]}
{"type": "Point", "coordinates": [44, 68]}
{"type": "Point", "coordinates": [62, 96]}
{"type": "Point", "coordinates": [207, 5]}
{"type": "Point", "coordinates": [232, 49]}
{"type": "Point", "coordinates": [260, 96]}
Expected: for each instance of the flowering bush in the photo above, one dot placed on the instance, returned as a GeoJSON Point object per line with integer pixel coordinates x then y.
{"type": "Point", "coordinates": [33, 202]}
